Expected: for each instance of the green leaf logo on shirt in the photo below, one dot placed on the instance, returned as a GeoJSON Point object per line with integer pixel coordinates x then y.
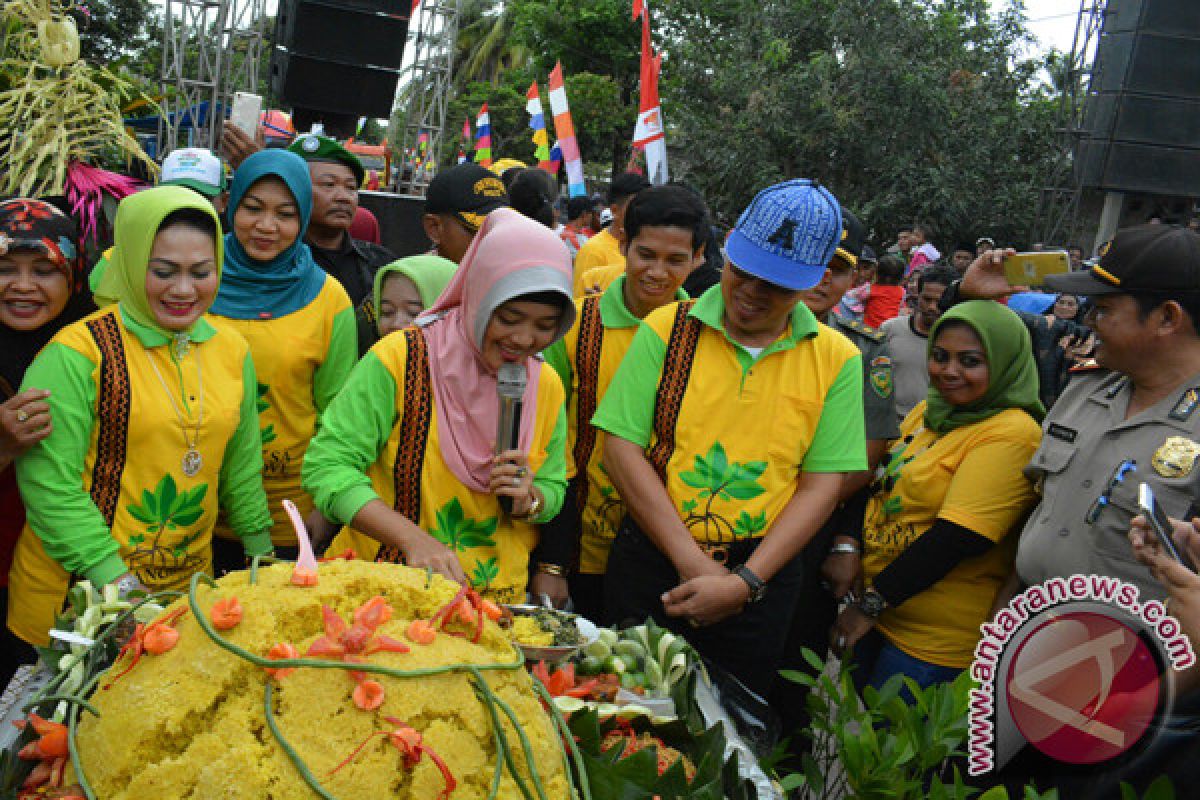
{"type": "Point", "coordinates": [459, 533]}
{"type": "Point", "coordinates": [268, 433]}
{"type": "Point", "coordinates": [484, 573]}
{"type": "Point", "coordinates": [166, 509]}
{"type": "Point", "coordinates": [716, 477]}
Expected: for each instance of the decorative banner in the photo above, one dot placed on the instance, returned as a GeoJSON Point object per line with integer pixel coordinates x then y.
{"type": "Point", "coordinates": [564, 129]}
{"type": "Point", "coordinates": [556, 158]}
{"type": "Point", "coordinates": [537, 123]}
{"type": "Point", "coordinates": [483, 138]}
{"type": "Point", "coordinates": [649, 135]}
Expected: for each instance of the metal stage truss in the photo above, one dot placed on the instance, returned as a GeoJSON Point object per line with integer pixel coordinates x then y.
{"type": "Point", "coordinates": [211, 48]}
{"type": "Point", "coordinates": [425, 92]}
{"type": "Point", "coordinates": [1058, 203]}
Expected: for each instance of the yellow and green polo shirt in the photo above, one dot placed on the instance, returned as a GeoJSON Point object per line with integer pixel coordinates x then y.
{"type": "Point", "coordinates": [302, 360]}
{"type": "Point", "coordinates": [106, 492]}
{"type": "Point", "coordinates": [602, 508]}
{"type": "Point", "coordinates": [373, 444]}
{"type": "Point", "coordinates": [746, 426]}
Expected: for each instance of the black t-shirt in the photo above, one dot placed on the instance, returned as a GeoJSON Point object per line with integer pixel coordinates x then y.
{"type": "Point", "coordinates": [354, 265]}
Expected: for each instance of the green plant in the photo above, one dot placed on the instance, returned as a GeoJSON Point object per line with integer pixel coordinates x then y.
{"type": "Point", "coordinates": [879, 746]}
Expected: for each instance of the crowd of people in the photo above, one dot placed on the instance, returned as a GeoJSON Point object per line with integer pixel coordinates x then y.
{"type": "Point", "coordinates": [768, 441]}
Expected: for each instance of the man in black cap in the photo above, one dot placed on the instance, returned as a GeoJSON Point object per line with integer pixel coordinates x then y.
{"type": "Point", "coordinates": [1134, 419]}
{"type": "Point", "coordinates": [336, 175]}
{"type": "Point", "coordinates": [456, 203]}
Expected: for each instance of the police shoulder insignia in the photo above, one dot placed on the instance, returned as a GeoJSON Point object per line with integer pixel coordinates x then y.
{"type": "Point", "coordinates": [1186, 405]}
{"type": "Point", "coordinates": [881, 376]}
{"type": "Point", "coordinates": [1176, 457]}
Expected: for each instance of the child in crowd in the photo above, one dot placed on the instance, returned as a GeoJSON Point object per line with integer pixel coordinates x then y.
{"type": "Point", "coordinates": [887, 293]}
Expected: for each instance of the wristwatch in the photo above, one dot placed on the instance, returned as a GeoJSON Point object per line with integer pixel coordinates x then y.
{"type": "Point", "coordinates": [872, 603]}
{"type": "Point", "coordinates": [758, 587]}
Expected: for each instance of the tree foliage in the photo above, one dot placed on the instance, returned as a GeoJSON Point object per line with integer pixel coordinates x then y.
{"type": "Point", "coordinates": [110, 29]}
{"type": "Point", "coordinates": [907, 109]}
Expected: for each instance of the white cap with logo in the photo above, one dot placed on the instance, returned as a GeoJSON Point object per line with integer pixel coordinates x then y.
{"type": "Point", "coordinates": [195, 168]}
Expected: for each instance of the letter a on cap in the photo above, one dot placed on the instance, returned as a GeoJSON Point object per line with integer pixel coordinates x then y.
{"type": "Point", "coordinates": [784, 234]}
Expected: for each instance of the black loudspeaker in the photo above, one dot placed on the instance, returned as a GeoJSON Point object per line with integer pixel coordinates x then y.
{"type": "Point", "coordinates": [1142, 116]}
{"type": "Point", "coordinates": [399, 221]}
{"type": "Point", "coordinates": [339, 58]}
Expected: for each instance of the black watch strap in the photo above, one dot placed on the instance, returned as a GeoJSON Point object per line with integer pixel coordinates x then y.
{"type": "Point", "coordinates": [758, 587]}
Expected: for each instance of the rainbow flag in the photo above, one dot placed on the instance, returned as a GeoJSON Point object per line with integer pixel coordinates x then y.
{"type": "Point", "coordinates": [537, 123]}
{"type": "Point", "coordinates": [564, 129]}
{"type": "Point", "coordinates": [483, 137]}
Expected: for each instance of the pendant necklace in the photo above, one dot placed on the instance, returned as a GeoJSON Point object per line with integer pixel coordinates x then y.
{"type": "Point", "coordinates": [192, 460]}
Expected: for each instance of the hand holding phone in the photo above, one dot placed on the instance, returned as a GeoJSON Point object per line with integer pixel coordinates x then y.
{"type": "Point", "coordinates": [247, 108]}
{"type": "Point", "coordinates": [1160, 523]}
{"type": "Point", "coordinates": [1031, 269]}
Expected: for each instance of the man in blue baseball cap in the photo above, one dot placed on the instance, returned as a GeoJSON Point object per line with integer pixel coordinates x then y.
{"type": "Point", "coordinates": [731, 423]}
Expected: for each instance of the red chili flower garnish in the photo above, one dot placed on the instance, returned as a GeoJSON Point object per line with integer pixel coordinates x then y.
{"type": "Point", "coordinates": [412, 747]}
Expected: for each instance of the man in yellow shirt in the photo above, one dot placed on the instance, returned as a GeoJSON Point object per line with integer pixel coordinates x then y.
{"type": "Point", "coordinates": [605, 247]}
{"type": "Point", "coordinates": [730, 425]}
{"type": "Point", "coordinates": [666, 228]}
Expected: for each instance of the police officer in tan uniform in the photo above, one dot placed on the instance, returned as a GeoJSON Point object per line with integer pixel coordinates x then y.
{"type": "Point", "coordinates": [1134, 419]}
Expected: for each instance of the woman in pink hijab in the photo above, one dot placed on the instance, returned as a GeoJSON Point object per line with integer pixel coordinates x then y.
{"type": "Point", "coordinates": [405, 456]}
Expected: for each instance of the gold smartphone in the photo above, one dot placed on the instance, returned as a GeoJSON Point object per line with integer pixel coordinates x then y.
{"type": "Point", "coordinates": [1031, 269]}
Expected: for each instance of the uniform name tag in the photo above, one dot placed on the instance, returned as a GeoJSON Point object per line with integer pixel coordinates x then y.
{"type": "Point", "coordinates": [1062, 432]}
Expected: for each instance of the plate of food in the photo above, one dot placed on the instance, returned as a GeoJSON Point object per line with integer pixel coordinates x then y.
{"type": "Point", "coordinates": [547, 634]}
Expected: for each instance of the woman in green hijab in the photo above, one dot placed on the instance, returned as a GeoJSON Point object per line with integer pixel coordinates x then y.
{"type": "Point", "coordinates": [936, 543]}
{"type": "Point", "coordinates": [403, 289]}
{"type": "Point", "coordinates": [155, 424]}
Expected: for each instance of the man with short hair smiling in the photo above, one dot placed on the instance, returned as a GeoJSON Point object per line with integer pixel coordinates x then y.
{"type": "Point", "coordinates": [336, 175]}
{"type": "Point", "coordinates": [730, 426]}
{"type": "Point", "coordinates": [666, 228]}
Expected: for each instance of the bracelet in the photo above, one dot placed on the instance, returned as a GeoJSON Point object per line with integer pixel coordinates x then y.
{"type": "Point", "coordinates": [551, 569]}
{"type": "Point", "coordinates": [844, 548]}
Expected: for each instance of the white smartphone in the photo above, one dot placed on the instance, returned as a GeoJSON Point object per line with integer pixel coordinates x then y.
{"type": "Point", "coordinates": [247, 108]}
{"type": "Point", "coordinates": [1160, 523]}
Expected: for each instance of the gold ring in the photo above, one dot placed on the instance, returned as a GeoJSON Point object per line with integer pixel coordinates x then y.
{"type": "Point", "coordinates": [522, 472]}
{"type": "Point", "coordinates": [21, 415]}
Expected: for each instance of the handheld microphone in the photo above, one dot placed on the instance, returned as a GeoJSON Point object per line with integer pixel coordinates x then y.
{"type": "Point", "coordinates": [510, 388]}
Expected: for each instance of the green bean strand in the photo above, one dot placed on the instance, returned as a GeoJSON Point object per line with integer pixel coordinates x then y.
{"type": "Point", "coordinates": [490, 705]}
{"type": "Point", "coordinates": [62, 698]}
{"type": "Point", "coordinates": [526, 747]}
{"type": "Point", "coordinates": [297, 761]}
{"type": "Point", "coordinates": [564, 731]}
{"type": "Point", "coordinates": [498, 773]}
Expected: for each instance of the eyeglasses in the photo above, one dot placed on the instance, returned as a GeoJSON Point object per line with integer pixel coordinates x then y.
{"type": "Point", "coordinates": [1105, 499]}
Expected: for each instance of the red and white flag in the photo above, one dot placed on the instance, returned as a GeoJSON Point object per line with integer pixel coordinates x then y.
{"type": "Point", "coordinates": [650, 135]}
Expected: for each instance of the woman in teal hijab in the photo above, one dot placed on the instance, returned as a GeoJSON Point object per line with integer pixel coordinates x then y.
{"type": "Point", "coordinates": [155, 424]}
{"type": "Point", "coordinates": [298, 321]}
{"type": "Point", "coordinates": [940, 527]}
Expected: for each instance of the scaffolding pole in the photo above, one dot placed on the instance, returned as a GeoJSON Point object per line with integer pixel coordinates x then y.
{"type": "Point", "coordinates": [1058, 203]}
{"type": "Point", "coordinates": [211, 48]}
{"type": "Point", "coordinates": [425, 95]}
